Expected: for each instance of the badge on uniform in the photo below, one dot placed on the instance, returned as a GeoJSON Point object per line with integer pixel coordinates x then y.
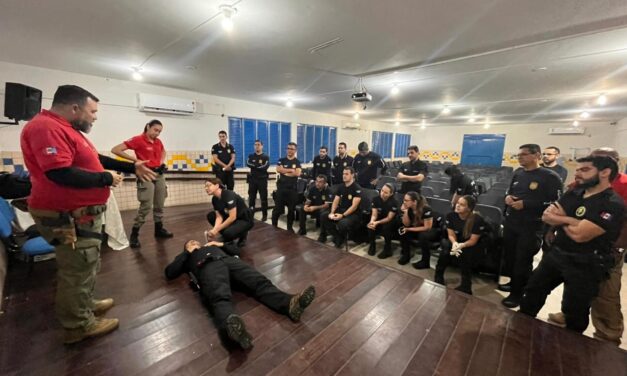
{"type": "Point", "coordinates": [369, 162]}
{"type": "Point", "coordinates": [344, 164]}
{"type": "Point", "coordinates": [350, 197]}
{"type": "Point", "coordinates": [605, 215]}
{"type": "Point", "coordinates": [533, 185]}
{"type": "Point", "coordinates": [324, 198]}
{"type": "Point", "coordinates": [51, 150]}
{"type": "Point", "coordinates": [293, 166]}
{"type": "Point", "coordinates": [580, 211]}
{"type": "Point", "coordinates": [324, 165]}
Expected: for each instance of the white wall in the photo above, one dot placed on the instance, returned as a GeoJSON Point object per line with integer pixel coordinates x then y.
{"type": "Point", "coordinates": [620, 138]}
{"type": "Point", "coordinates": [119, 118]}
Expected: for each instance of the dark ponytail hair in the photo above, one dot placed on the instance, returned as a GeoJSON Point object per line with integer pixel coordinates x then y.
{"type": "Point", "coordinates": [390, 187]}
{"type": "Point", "coordinates": [151, 124]}
{"type": "Point", "coordinates": [470, 221]}
{"type": "Point", "coordinates": [420, 205]}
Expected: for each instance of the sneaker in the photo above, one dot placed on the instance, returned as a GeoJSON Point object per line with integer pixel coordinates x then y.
{"type": "Point", "coordinates": [322, 239]}
{"type": "Point", "coordinates": [439, 278]}
{"type": "Point", "coordinates": [299, 302]}
{"type": "Point", "coordinates": [511, 301]}
{"type": "Point", "coordinates": [464, 289]}
{"type": "Point", "coordinates": [102, 306]}
{"type": "Point", "coordinates": [404, 260]}
{"type": "Point", "coordinates": [236, 330]}
{"type": "Point", "coordinates": [422, 264]}
{"type": "Point", "coordinates": [372, 250]}
{"type": "Point", "coordinates": [557, 319]}
{"type": "Point", "coordinates": [385, 254]}
{"type": "Point", "coordinates": [99, 327]}
{"type": "Point", "coordinates": [505, 287]}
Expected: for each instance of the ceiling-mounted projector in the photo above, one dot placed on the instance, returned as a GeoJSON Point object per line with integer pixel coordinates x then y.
{"type": "Point", "coordinates": [361, 97]}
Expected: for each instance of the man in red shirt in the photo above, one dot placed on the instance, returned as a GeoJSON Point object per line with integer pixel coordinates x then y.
{"type": "Point", "coordinates": [70, 187]}
{"type": "Point", "coordinates": [151, 194]}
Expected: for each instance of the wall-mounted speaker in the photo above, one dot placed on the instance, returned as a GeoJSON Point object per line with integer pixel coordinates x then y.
{"type": "Point", "coordinates": [21, 102]}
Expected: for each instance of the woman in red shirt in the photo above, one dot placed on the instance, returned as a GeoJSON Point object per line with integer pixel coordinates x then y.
{"type": "Point", "coordinates": [151, 194]}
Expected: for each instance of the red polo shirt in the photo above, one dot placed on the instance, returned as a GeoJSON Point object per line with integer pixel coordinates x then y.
{"type": "Point", "coordinates": [619, 185]}
{"type": "Point", "coordinates": [146, 149]}
{"type": "Point", "coordinates": [49, 142]}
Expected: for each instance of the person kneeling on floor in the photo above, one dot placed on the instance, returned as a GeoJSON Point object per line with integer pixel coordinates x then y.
{"type": "Point", "coordinates": [214, 270]}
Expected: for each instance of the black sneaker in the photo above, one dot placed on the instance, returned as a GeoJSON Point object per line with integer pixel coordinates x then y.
{"type": "Point", "coordinates": [236, 330]}
{"type": "Point", "coordinates": [372, 250]}
{"type": "Point", "coordinates": [404, 260]}
{"type": "Point", "coordinates": [322, 239]}
{"type": "Point", "coordinates": [505, 287]}
{"type": "Point", "coordinates": [422, 264]}
{"type": "Point", "coordinates": [464, 289]}
{"type": "Point", "coordinates": [439, 278]}
{"type": "Point", "coordinates": [385, 254]}
{"type": "Point", "coordinates": [512, 301]}
{"type": "Point", "coordinates": [299, 302]}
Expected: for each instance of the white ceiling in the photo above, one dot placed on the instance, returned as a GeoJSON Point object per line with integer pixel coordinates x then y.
{"type": "Point", "coordinates": [480, 55]}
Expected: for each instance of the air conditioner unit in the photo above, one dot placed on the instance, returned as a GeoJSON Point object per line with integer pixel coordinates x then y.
{"type": "Point", "coordinates": [166, 105]}
{"type": "Point", "coordinates": [350, 125]}
{"type": "Point", "coordinates": [563, 131]}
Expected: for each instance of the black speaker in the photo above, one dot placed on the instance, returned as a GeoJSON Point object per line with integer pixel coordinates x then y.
{"type": "Point", "coordinates": [21, 102]}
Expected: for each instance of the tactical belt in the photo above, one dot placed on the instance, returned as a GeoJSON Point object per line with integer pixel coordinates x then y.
{"type": "Point", "coordinates": [78, 216]}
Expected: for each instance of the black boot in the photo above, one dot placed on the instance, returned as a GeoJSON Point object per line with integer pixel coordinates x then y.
{"type": "Point", "coordinates": [264, 211]}
{"type": "Point", "coordinates": [439, 277]}
{"type": "Point", "coordinates": [161, 232]}
{"type": "Point", "coordinates": [405, 254]}
{"type": "Point", "coordinates": [134, 240]}
{"type": "Point", "coordinates": [373, 249]}
{"type": "Point", "coordinates": [387, 251]}
{"type": "Point", "coordinates": [242, 241]}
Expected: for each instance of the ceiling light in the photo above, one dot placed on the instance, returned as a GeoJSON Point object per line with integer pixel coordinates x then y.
{"type": "Point", "coordinates": [446, 110]}
{"type": "Point", "coordinates": [289, 103]}
{"type": "Point", "coordinates": [356, 116]}
{"type": "Point", "coordinates": [471, 119]}
{"type": "Point", "coordinates": [397, 123]}
{"type": "Point", "coordinates": [227, 11]}
{"type": "Point", "coordinates": [486, 126]}
{"type": "Point", "coordinates": [136, 75]}
{"type": "Point", "coordinates": [575, 123]}
{"type": "Point", "coordinates": [423, 122]}
{"type": "Point", "coordinates": [584, 115]}
{"type": "Point", "coordinates": [423, 127]}
{"type": "Point", "coordinates": [395, 90]}
{"type": "Point", "coordinates": [602, 100]}
{"type": "Point", "coordinates": [536, 69]}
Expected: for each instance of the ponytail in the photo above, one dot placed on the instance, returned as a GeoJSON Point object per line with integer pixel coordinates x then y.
{"type": "Point", "coordinates": [151, 124]}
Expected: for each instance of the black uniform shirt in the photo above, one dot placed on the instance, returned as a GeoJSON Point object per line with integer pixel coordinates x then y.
{"type": "Point", "coordinates": [426, 214]}
{"type": "Point", "coordinates": [537, 188]}
{"type": "Point", "coordinates": [228, 201]}
{"type": "Point", "coordinates": [288, 182]}
{"type": "Point", "coordinates": [193, 262]}
{"type": "Point", "coordinates": [318, 197]}
{"type": "Point", "coordinates": [366, 167]}
{"type": "Point", "coordinates": [559, 170]}
{"type": "Point", "coordinates": [321, 166]}
{"type": "Point", "coordinates": [339, 164]}
{"type": "Point", "coordinates": [347, 194]}
{"type": "Point", "coordinates": [224, 155]}
{"type": "Point", "coordinates": [462, 185]}
{"type": "Point", "coordinates": [384, 207]}
{"type": "Point", "coordinates": [258, 164]}
{"type": "Point", "coordinates": [604, 209]}
{"type": "Point", "coordinates": [413, 169]}
{"type": "Point", "coordinates": [455, 223]}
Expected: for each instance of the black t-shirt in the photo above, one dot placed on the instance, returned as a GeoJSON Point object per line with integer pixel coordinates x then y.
{"type": "Point", "coordinates": [560, 171]}
{"type": "Point", "coordinates": [288, 182]}
{"type": "Point", "coordinates": [347, 194]}
{"type": "Point", "coordinates": [605, 209]}
{"type": "Point", "coordinates": [339, 164]}
{"type": "Point", "coordinates": [321, 166]}
{"type": "Point", "coordinates": [224, 155]}
{"type": "Point", "coordinates": [462, 185]}
{"type": "Point", "coordinates": [366, 167]}
{"type": "Point", "coordinates": [384, 207]}
{"type": "Point", "coordinates": [537, 188]}
{"type": "Point", "coordinates": [456, 224]}
{"type": "Point", "coordinates": [318, 197]}
{"type": "Point", "coordinates": [258, 164]}
{"type": "Point", "coordinates": [227, 201]}
{"type": "Point", "coordinates": [426, 214]}
{"type": "Point", "coordinates": [414, 168]}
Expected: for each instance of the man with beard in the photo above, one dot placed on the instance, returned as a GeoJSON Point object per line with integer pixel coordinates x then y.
{"type": "Point", "coordinates": [341, 160]}
{"type": "Point", "coordinates": [368, 165]}
{"type": "Point", "coordinates": [413, 172]}
{"type": "Point", "coordinates": [549, 160]}
{"type": "Point", "coordinates": [67, 202]}
{"type": "Point", "coordinates": [322, 164]}
{"type": "Point", "coordinates": [588, 220]}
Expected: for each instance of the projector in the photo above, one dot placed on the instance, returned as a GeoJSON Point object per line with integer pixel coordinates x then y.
{"type": "Point", "coordinates": [361, 97]}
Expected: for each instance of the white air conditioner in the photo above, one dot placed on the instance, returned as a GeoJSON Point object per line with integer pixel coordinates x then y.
{"type": "Point", "coordinates": [166, 105]}
{"type": "Point", "coordinates": [563, 131]}
{"type": "Point", "coordinates": [350, 125]}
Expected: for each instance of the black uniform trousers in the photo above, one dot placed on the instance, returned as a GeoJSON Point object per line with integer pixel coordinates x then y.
{"type": "Point", "coordinates": [424, 241]}
{"type": "Point", "coordinates": [258, 185]}
{"type": "Point", "coordinates": [386, 230]}
{"type": "Point", "coordinates": [467, 260]}
{"type": "Point", "coordinates": [521, 241]}
{"type": "Point", "coordinates": [237, 230]}
{"type": "Point", "coordinates": [581, 275]}
{"type": "Point", "coordinates": [302, 216]}
{"type": "Point", "coordinates": [339, 229]}
{"type": "Point", "coordinates": [285, 197]}
{"type": "Point", "coordinates": [227, 178]}
{"type": "Point", "coordinates": [215, 280]}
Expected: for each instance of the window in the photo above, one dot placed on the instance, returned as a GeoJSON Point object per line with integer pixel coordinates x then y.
{"type": "Point", "coordinates": [382, 143]}
{"type": "Point", "coordinates": [401, 143]}
{"type": "Point", "coordinates": [243, 133]}
{"type": "Point", "coordinates": [311, 137]}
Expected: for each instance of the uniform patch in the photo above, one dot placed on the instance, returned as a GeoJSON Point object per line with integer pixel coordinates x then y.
{"type": "Point", "coordinates": [605, 215]}
{"type": "Point", "coordinates": [230, 202]}
{"type": "Point", "coordinates": [293, 166]}
{"type": "Point", "coordinates": [350, 197]}
{"type": "Point", "coordinates": [324, 197]}
{"type": "Point", "coordinates": [580, 211]}
{"type": "Point", "coordinates": [324, 165]}
{"type": "Point", "coordinates": [344, 164]}
{"type": "Point", "coordinates": [51, 150]}
{"type": "Point", "coordinates": [533, 185]}
{"type": "Point", "coordinates": [369, 162]}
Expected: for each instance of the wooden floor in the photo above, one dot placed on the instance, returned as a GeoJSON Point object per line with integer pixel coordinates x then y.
{"type": "Point", "coordinates": [366, 320]}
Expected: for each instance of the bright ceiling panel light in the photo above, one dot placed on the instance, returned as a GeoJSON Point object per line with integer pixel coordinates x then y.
{"type": "Point", "coordinates": [289, 103]}
{"type": "Point", "coordinates": [486, 126]}
{"type": "Point", "coordinates": [575, 123]}
{"type": "Point", "coordinates": [423, 126]}
{"type": "Point", "coordinates": [584, 115]}
{"type": "Point", "coordinates": [602, 100]}
{"type": "Point", "coordinates": [446, 110]}
{"type": "Point", "coordinates": [397, 123]}
{"type": "Point", "coordinates": [423, 122]}
{"type": "Point", "coordinates": [356, 116]}
{"type": "Point", "coordinates": [137, 76]}
{"type": "Point", "coordinates": [228, 12]}
{"type": "Point", "coordinates": [471, 119]}
{"type": "Point", "coordinates": [395, 90]}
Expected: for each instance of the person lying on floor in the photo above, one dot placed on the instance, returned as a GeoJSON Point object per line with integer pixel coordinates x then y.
{"type": "Point", "coordinates": [215, 270]}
